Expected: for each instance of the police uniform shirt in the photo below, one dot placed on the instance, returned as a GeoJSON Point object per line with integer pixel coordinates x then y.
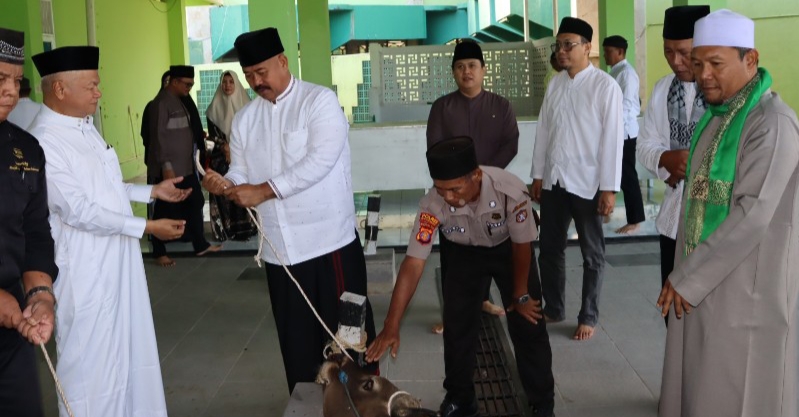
{"type": "Point", "coordinates": [25, 240]}
{"type": "Point", "coordinates": [501, 211]}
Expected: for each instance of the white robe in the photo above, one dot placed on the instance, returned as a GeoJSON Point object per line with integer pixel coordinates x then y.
{"type": "Point", "coordinates": [108, 359]}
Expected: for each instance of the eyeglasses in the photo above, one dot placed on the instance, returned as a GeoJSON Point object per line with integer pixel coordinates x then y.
{"type": "Point", "coordinates": [566, 46]}
{"type": "Point", "coordinates": [187, 84]}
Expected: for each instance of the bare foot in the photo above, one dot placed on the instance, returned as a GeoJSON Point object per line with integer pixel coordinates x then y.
{"type": "Point", "coordinates": [583, 332]}
{"type": "Point", "coordinates": [494, 309]}
{"type": "Point", "coordinates": [551, 320]}
{"type": "Point", "coordinates": [438, 328]}
{"type": "Point", "coordinates": [628, 229]}
{"type": "Point", "coordinates": [212, 248]}
{"type": "Point", "coordinates": [164, 261]}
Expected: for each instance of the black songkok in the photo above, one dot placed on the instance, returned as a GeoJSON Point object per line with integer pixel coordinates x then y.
{"type": "Point", "coordinates": [467, 50]}
{"type": "Point", "coordinates": [181, 71]}
{"type": "Point", "coordinates": [615, 41]}
{"type": "Point", "coordinates": [678, 23]}
{"type": "Point", "coordinates": [258, 46]}
{"type": "Point", "coordinates": [452, 158]}
{"type": "Point", "coordinates": [67, 58]}
{"type": "Point", "coordinates": [576, 26]}
{"type": "Point", "coordinates": [12, 49]}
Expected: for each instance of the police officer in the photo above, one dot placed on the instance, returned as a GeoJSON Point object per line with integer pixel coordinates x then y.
{"type": "Point", "coordinates": [484, 218]}
{"type": "Point", "coordinates": [27, 264]}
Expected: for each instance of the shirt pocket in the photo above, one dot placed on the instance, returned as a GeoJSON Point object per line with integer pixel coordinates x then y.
{"type": "Point", "coordinates": [295, 146]}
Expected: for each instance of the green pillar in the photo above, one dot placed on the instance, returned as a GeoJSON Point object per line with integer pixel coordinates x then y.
{"type": "Point", "coordinates": [714, 4]}
{"type": "Point", "coordinates": [26, 16]}
{"type": "Point", "coordinates": [282, 15]}
{"type": "Point", "coordinates": [178, 34]}
{"type": "Point", "coordinates": [314, 25]}
{"type": "Point", "coordinates": [617, 17]}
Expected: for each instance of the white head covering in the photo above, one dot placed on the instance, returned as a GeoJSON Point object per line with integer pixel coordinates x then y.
{"type": "Point", "coordinates": [724, 28]}
{"type": "Point", "coordinates": [223, 107]}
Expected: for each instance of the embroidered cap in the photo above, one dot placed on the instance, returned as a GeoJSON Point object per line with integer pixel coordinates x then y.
{"type": "Point", "coordinates": [576, 26]}
{"type": "Point", "coordinates": [452, 158]}
{"type": "Point", "coordinates": [725, 28]}
{"type": "Point", "coordinates": [181, 71]}
{"type": "Point", "coordinates": [12, 44]}
{"type": "Point", "coordinates": [67, 58]}
{"type": "Point", "coordinates": [258, 46]}
{"type": "Point", "coordinates": [467, 50]}
{"type": "Point", "coordinates": [678, 21]}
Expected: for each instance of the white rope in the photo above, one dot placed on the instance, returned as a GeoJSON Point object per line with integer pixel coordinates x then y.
{"type": "Point", "coordinates": [58, 386]}
{"type": "Point", "coordinates": [258, 223]}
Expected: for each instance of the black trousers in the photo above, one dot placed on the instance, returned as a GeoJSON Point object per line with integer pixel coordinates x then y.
{"type": "Point", "coordinates": [668, 249]}
{"type": "Point", "coordinates": [323, 279]}
{"type": "Point", "coordinates": [469, 270]}
{"type": "Point", "coordinates": [633, 201]}
{"type": "Point", "coordinates": [20, 395]}
{"type": "Point", "coordinates": [190, 209]}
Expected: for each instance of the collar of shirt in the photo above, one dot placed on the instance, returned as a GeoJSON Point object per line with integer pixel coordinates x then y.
{"type": "Point", "coordinates": [486, 202]}
{"type": "Point", "coordinates": [84, 124]}
{"type": "Point", "coordinates": [580, 76]}
{"type": "Point", "coordinates": [619, 65]}
{"type": "Point", "coordinates": [285, 94]}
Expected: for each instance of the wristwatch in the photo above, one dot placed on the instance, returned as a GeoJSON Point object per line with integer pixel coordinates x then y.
{"type": "Point", "coordinates": [523, 299]}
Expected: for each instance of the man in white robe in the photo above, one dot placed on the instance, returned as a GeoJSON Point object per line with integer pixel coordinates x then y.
{"type": "Point", "coordinates": [108, 359]}
{"type": "Point", "coordinates": [732, 346]}
{"type": "Point", "coordinates": [669, 121]}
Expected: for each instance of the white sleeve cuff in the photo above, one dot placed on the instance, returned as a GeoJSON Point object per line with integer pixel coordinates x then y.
{"type": "Point", "coordinates": [140, 193]}
{"type": "Point", "coordinates": [134, 226]}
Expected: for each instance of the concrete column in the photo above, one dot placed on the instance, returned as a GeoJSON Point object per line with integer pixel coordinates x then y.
{"type": "Point", "coordinates": [616, 17]}
{"type": "Point", "coordinates": [178, 34]}
{"type": "Point", "coordinates": [314, 22]}
{"type": "Point", "coordinates": [282, 15]}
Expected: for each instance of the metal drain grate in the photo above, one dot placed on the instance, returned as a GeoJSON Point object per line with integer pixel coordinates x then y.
{"type": "Point", "coordinates": [493, 382]}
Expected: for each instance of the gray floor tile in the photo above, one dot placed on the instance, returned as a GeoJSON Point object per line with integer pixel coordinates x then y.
{"type": "Point", "coordinates": [248, 399]}
{"type": "Point", "coordinates": [416, 366]}
{"type": "Point", "coordinates": [596, 356]}
{"type": "Point", "coordinates": [613, 387]}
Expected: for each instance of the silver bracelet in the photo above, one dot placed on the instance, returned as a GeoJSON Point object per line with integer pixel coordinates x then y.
{"type": "Point", "coordinates": [35, 290]}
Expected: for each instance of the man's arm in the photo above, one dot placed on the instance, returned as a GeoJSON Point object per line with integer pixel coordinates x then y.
{"type": "Point", "coordinates": [655, 136]}
{"type": "Point", "coordinates": [768, 161]}
{"type": "Point", "coordinates": [160, 136]}
{"type": "Point", "coordinates": [611, 141]}
{"type": "Point", "coordinates": [435, 123]}
{"type": "Point", "coordinates": [631, 106]}
{"type": "Point", "coordinates": [68, 200]}
{"type": "Point", "coordinates": [509, 141]}
{"type": "Point", "coordinates": [407, 280]}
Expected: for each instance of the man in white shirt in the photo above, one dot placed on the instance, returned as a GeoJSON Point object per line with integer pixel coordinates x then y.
{"type": "Point", "coordinates": [26, 109]}
{"type": "Point", "coordinates": [290, 158]}
{"type": "Point", "coordinates": [108, 359]}
{"type": "Point", "coordinates": [615, 48]}
{"type": "Point", "coordinates": [576, 170]}
{"type": "Point", "coordinates": [673, 110]}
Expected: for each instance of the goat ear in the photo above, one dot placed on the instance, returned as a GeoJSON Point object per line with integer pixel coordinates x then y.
{"type": "Point", "coordinates": [368, 385]}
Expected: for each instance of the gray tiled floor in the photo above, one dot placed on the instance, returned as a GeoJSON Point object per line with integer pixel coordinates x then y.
{"type": "Point", "coordinates": [220, 357]}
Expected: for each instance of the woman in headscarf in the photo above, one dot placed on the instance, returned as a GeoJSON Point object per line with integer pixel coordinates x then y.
{"type": "Point", "coordinates": [228, 221]}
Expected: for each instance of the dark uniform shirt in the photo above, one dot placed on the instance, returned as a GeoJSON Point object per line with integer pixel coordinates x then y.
{"type": "Point", "coordinates": [487, 118]}
{"type": "Point", "coordinates": [172, 139]}
{"type": "Point", "coordinates": [502, 211]}
{"type": "Point", "coordinates": [25, 240]}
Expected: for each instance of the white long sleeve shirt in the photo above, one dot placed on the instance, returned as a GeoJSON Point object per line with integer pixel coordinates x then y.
{"type": "Point", "coordinates": [625, 75]}
{"type": "Point", "coordinates": [655, 138]}
{"type": "Point", "coordinates": [107, 353]}
{"type": "Point", "coordinates": [578, 141]}
{"type": "Point", "coordinates": [24, 112]}
{"type": "Point", "coordinates": [299, 146]}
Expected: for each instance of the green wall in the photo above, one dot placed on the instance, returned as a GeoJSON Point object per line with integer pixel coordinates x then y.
{"type": "Point", "coordinates": [616, 17]}
{"type": "Point", "coordinates": [280, 14]}
{"type": "Point", "coordinates": [25, 16]}
{"type": "Point", "coordinates": [69, 19]}
{"type": "Point", "coordinates": [134, 52]}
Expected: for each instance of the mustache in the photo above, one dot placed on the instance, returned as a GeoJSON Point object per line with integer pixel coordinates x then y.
{"type": "Point", "coordinates": [261, 88]}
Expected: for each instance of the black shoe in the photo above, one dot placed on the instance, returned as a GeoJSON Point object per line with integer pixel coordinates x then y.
{"type": "Point", "coordinates": [451, 409]}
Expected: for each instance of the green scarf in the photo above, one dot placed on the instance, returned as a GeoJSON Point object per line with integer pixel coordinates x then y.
{"type": "Point", "coordinates": [710, 187]}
